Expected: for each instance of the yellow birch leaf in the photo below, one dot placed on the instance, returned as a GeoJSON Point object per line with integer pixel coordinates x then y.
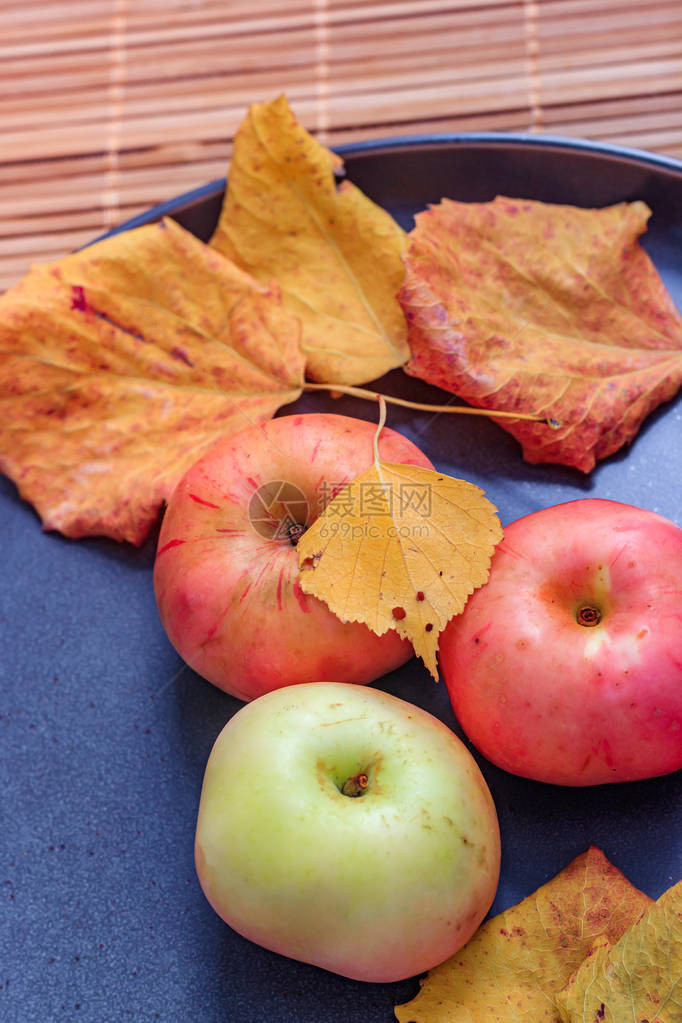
{"type": "Point", "coordinates": [120, 365]}
{"type": "Point", "coordinates": [336, 255]}
{"type": "Point", "coordinates": [401, 547]}
{"type": "Point", "coordinates": [517, 963]}
{"type": "Point", "coordinates": [638, 978]}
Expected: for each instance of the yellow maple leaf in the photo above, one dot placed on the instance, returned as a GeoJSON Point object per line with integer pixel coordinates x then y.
{"type": "Point", "coordinates": [516, 964]}
{"type": "Point", "coordinates": [123, 363]}
{"type": "Point", "coordinates": [637, 978]}
{"type": "Point", "coordinates": [401, 547]}
{"type": "Point", "coordinates": [335, 253]}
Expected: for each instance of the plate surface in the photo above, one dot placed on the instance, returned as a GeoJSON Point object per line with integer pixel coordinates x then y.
{"type": "Point", "coordinates": [105, 736]}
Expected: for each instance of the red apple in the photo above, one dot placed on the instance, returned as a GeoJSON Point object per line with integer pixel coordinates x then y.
{"type": "Point", "coordinates": [566, 667]}
{"type": "Point", "coordinates": [226, 571]}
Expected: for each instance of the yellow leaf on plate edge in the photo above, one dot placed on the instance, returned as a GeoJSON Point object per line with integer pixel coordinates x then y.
{"type": "Point", "coordinates": [638, 978]}
{"type": "Point", "coordinates": [514, 967]}
{"type": "Point", "coordinates": [336, 255]}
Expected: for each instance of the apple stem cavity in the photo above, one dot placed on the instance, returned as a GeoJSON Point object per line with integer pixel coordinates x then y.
{"type": "Point", "coordinates": [356, 785]}
{"type": "Point", "coordinates": [295, 532]}
{"type": "Point", "coordinates": [588, 616]}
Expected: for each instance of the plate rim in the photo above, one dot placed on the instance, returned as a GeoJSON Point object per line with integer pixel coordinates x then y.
{"type": "Point", "coordinates": [524, 140]}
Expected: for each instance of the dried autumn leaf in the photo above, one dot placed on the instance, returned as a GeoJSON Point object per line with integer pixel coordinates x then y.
{"type": "Point", "coordinates": [122, 364]}
{"type": "Point", "coordinates": [637, 978]}
{"type": "Point", "coordinates": [514, 967]}
{"type": "Point", "coordinates": [336, 255]}
{"type": "Point", "coordinates": [531, 307]}
{"type": "Point", "coordinates": [401, 547]}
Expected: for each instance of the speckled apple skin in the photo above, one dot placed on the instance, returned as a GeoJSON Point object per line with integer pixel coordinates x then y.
{"type": "Point", "coordinates": [377, 887]}
{"type": "Point", "coordinates": [230, 600]}
{"type": "Point", "coordinates": [547, 698]}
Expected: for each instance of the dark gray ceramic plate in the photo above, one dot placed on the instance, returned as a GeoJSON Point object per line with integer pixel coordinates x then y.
{"type": "Point", "coordinates": [105, 736]}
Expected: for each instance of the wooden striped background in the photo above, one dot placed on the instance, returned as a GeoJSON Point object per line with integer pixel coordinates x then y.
{"type": "Point", "coordinates": [109, 106]}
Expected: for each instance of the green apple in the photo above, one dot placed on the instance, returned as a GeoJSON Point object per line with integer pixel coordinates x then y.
{"type": "Point", "coordinates": [341, 826]}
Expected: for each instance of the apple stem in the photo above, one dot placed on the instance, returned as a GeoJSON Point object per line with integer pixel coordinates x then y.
{"type": "Point", "coordinates": [355, 785]}
{"type": "Point", "coordinates": [361, 392]}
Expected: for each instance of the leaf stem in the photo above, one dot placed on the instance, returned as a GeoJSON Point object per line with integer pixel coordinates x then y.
{"type": "Point", "coordinates": [361, 392]}
{"type": "Point", "coordinates": [380, 426]}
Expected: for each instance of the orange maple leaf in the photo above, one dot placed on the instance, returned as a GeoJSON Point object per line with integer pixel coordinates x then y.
{"type": "Point", "coordinates": [531, 307]}
{"type": "Point", "coordinates": [125, 362]}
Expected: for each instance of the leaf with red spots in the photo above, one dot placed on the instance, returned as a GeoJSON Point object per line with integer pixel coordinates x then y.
{"type": "Point", "coordinates": [401, 547]}
{"type": "Point", "coordinates": [125, 362]}
{"type": "Point", "coordinates": [515, 966]}
{"type": "Point", "coordinates": [529, 307]}
{"type": "Point", "coordinates": [637, 978]}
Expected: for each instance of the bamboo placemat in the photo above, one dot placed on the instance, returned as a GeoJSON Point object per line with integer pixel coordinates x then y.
{"type": "Point", "coordinates": [109, 106]}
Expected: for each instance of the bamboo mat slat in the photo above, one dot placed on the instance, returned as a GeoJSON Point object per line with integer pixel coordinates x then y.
{"type": "Point", "coordinates": [110, 106]}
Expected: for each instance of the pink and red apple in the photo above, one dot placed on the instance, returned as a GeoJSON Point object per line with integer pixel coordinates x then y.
{"type": "Point", "coordinates": [566, 667]}
{"type": "Point", "coordinates": [226, 574]}
{"type": "Point", "coordinates": [344, 827]}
